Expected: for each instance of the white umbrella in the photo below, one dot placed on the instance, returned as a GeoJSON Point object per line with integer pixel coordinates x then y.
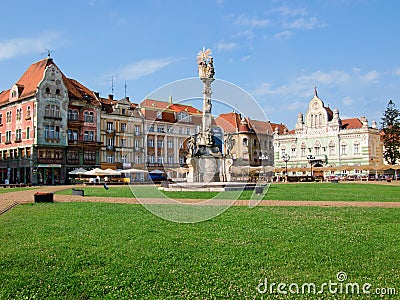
{"type": "Point", "coordinates": [180, 170]}
{"type": "Point", "coordinates": [133, 170]}
{"type": "Point", "coordinates": [111, 172]}
{"type": "Point", "coordinates": [79, 171]}
{"type": "Point", "coordinates": [96, 172]}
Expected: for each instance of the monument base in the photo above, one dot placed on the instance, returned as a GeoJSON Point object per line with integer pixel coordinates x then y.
{"type": "Point", "coordinates": [211, 186]}
{"type": "Point", "coordinates": [209, 168]}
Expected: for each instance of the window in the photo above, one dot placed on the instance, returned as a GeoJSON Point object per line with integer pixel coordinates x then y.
{"type": "Point", "coordinates": [245, 142]}
{"type": "Point", "coordinates": [1, 119]}
{"type": "Point", "coordinates": [283, 151]}
{"type": "Point", "coordinates": [110, 142]}
{"type": "Point", "coordinates": [317, 148]}
{"type": "Point", "coordinates": [18, 114]}
{"type": "Point", "coordinates": [188, 131]}
{"type": "Point", "coordinates": [160, 143]}
{"type": "Point", "coordinates": [170, 144]}
{"type": "Point", "coordinates": [110, 126]}
{"type": "Point", "coordinates": [52, 132]}
{"type": "Point", "coordinates": [123, 143]}
{"type": "Point", "coordinates": [151, 129]}
{"type": "Point", "coordinates": [123, 127]}
{"type": "Point", "coordinates": [28, 133]}
{"type": "Point", "coordinates": [137, 143]}
{"type": "Point", "coordinates": [356, 148]}
{"type": "Point", "coordinates": [123, 158]}
{"type": "Point", "coordinates": [8, 117]}
{"type": "Point", "coordinates": [169, 129]}
{"type": "Point", "coordinates": [331, 149]}
{"type": "Point", "coordinates": [88, 136]}
{"type": "Point", "coordinates": [150, 143]}
{"type": "Point", "coordinates": [343, 149]}
{"type": "Point", "coordinates": [180, 130]}
{"type": "Point", "coordinates": [88, 116]}
{"type": "Point", "coordinates": [72, 135]}
{"type": "Point", "coordinates": [8, 136]}
{"type": "Point", "coordinates": [293, 152]}
{"type": "Point", "coordinates": [52, 111]}
{"type": "Point", "coordinates": [110, 158]}
{"type": "Point", "coordinates": [160, 159]}
{"type": "Point", "coordinates": [170, 159]}
{"type": "Point", "coordinates": [159, 115]}
{"type": "Point", "coordinates": [137, 129]}
{"type": "Point", "coordinates": [18, 134]}
{"type": "Point", "coordinates": [160, 128]}
{"type": "Point", "coordinates": [28, 113]}
{"type": "Point", "coordinates": [89, 156]}
{"type": "Point", "coordinates": [138, 160]}
{"type": "Point", "coordinates": [151, 159]}
{"type": "Point", "coordinates": [303, 150]}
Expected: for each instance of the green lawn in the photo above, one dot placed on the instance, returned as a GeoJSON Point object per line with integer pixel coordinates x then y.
{"type": "Point", "coordinates": [293, 191]}
{"type": "Point", "coordinates": [118, 251]}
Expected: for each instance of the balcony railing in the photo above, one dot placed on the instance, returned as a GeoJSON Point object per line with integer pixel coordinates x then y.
{"type": "Point", "coordinates": [110, 148]}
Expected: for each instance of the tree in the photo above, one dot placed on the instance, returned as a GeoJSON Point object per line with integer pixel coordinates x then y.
{"type": "Point", "coordinates": [391, 133]}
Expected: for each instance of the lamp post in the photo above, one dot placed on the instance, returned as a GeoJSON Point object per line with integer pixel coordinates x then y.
{"type": "Point", "coordinates": [286, 158]}
{"type": "Point", "coordinates": [310, 159]}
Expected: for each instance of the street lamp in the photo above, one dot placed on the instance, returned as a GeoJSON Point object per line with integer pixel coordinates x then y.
{"type": "Point", "coordinates": [286, 158]}
{"type": "Point", "coordinates": [310, 159]}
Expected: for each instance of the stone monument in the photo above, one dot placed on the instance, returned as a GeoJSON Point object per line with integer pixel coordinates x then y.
{"type": "Point", "coordinates": [205, 161]}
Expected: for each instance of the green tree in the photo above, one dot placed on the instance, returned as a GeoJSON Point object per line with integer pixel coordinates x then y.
{"type": "Point", "coordinates": [391, 136]}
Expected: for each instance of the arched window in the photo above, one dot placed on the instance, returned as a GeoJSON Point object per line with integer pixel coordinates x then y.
{"type": "Point", "coordinates": [303, 150]}
{"type": "Point", "coordinates": [75, 115]}
{"type": "Point", "coordinates": [317, 148]}
{"type": "Point", "coordinates": [293, 151]}
{"type": "Point", "coordinates": [356, 147]}
{"type": "Point", "coordinates": [331, 147]}
{"type": "Point", "coordinates": [245, 142]}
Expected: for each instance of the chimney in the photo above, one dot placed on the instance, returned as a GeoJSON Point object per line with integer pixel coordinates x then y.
{"type": "Point", "coordinates": [127, 98]}
{"type": "Point", "coordinates": [170, 100]}
{"type": "Point", "coordinates": [110, 97]}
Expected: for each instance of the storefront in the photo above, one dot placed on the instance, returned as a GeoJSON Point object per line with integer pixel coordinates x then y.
{"type": "Point", "coordinates": [49, 174]}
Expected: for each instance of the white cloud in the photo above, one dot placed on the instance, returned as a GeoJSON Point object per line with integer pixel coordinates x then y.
{"type": "Point", "coordinates": [347, 101]}
{"type": "Point", "coordinates": [304, 23]}
{"type": "Point", "coordinates": [303, 85]}
{"type": "Point", "coordinates": [295, 105]}
{"type": "Point", "coordinates": [397, 72]}
{"type": "Point", "coordinates": [244, 58]}
{"type": "Point", "coordinates": [371, 76]}
{"type": "Point", "coordinates": [22, 46]}
{"type": "Point", "coordinates": [288, 11]}
{"type": "Point", "coordinates": [223, 46]}
{"type": "Point", "coordinates": [252, 22]}
{"type": "Point", "coordinates": [143, 68]}
{"type": "Point", "coordinates": [283, 34]}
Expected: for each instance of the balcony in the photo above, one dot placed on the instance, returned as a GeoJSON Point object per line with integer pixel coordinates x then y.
{"type": "Point", "coordinates": [110, 131]}
{"type": "Point", "coordinates": [75, 123]}
{"type": "Point", "coordinates": [92, 143]}
{"type": "Point", "coordinates": [110, 148]}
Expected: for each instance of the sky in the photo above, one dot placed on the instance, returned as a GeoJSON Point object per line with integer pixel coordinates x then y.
{"type": "Point", "coordinates": [276, 51]}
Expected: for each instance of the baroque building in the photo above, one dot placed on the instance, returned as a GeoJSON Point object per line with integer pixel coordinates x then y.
{"type": "Point", "coordinates": [122, 134]}
{"type": "Point", "coordinates": [251, 140]}
{"type": "Point", "coordinates": [48, 126]}
{"type": "Point", "coordinates": [167, 128]}
{"type": "Point", "coordinates": [323, 139]}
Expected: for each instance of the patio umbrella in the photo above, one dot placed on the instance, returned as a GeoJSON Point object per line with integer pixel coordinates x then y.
{"type": "Point", "coordinates": [111, 172]}
{"type": "Point", "coordinates": [79, 171]}
{"type": "Point", "coordinates": [96, 172]}
{"type": "Point", "coordinates": [132, 171]}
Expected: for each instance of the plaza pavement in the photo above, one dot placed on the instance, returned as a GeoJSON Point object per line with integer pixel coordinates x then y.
{"type": "Point", "coordinates": [10, 199]}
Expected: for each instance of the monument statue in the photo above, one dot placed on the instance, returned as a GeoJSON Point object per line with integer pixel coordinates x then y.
{"type": "Point", "coordinates": [205, 161]}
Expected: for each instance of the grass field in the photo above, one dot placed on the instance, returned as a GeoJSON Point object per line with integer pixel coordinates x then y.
{"type": "Point", "coordinates": [118, 251]}
{"type": "Point", "coordinates": [300, 191]}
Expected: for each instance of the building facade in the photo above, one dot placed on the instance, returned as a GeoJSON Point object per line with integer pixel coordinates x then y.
{"type": "Point", "coordinates": [167, 127]}
{"type": "Point", "coordinates": [35, 126]}
{"type": "Point", "coordinates": [121, 134]}
{"type": "Point", "coordinates": [323, 139]}
{"type": "Point", "coordinates": [251, 140]}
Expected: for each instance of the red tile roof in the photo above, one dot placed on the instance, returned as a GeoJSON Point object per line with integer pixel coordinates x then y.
{"type": "Point", "coordinates": [281, 128]}
{"type": "Point", "coordinates": [29, 81]}
{"type": "Point", "coordinates": [229, 122]}
{"type": "Point", "coordinates": [352, 123]}
{"type": "Point", "coordinates": [261, 127]}
{"type": "Point", "coordinates": [156, 104]}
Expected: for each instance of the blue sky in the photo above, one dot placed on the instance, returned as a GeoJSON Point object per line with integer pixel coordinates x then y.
{"type": "Point", "coordinates": [275, 50]}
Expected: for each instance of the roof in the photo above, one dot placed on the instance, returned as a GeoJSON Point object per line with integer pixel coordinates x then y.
{"type": "Point", "coordinates": [261, 127]}
{"type": "Point", "coordinates": [352, 123]}
{"type": "Point", "coordinates": [281, 128]}
{"type": "Point", "coordinates": [229, 122]}
{"type": "Point", "coordinates": [30, 80]}
{"type": "Point", "coordinates": [157, 104]}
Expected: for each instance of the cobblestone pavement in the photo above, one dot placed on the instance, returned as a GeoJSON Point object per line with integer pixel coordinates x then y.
{"type": "Point", "coordinates": [8, 200]}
